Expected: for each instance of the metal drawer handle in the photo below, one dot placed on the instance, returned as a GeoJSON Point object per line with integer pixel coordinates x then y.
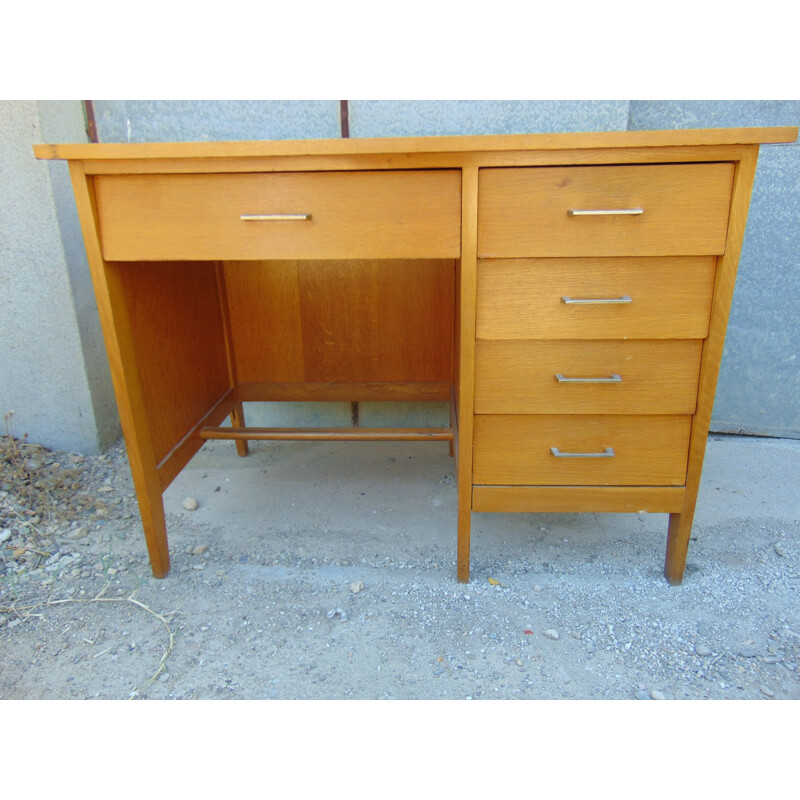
{"type": "Point", "coordinates": [603, 212]}
{"type": "Point", "coordinates": [607, 453]}
{"type": "Point", "coordinates": [272, 217]}
{"type": "Point", "coordinates": [572, 301]}
{"type": "Point", "coordinates": [610, 379]}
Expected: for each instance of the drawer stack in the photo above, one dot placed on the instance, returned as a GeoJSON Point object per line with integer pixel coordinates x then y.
{"type": "Point", "coordinates": [594, 291]}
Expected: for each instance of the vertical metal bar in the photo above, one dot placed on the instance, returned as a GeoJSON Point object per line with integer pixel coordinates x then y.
{"type": "Point", "coordinates": [91, 122]}
{"type": "Point", "coordinates": [344, 118]}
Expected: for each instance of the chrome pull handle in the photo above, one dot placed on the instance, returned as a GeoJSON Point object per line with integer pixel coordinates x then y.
{"type": "Point", "coordinates": [607, 453]}
{"type": "Point", "coordinates": [604, 212]}
{"type": "Point", "coordinates": [610, 379]}
{"type": "Point", "coordinates": [272, 217]}
{"type": "Point", "coordinates": [591, 301]}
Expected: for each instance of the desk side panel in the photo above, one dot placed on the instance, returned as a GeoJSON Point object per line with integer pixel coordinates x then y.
{"type": "Point", "coordinates": [178, 340]}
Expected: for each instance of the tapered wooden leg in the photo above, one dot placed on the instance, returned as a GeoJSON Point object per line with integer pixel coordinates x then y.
{"type": "Point", "coordinates": [155, 534]}
{"type": "Point", "coordinates": [151, 509]}
{"type": "Point", "coordinates": [452, 427]}
{"type": "Point", "coordinates": [464, 525]}
{"type": "Point", "coordinates": [680, 529]}
{"type": "Point", "coordinates": [237, 421]}
{"type": "Point", "coordinates": [466, 291]}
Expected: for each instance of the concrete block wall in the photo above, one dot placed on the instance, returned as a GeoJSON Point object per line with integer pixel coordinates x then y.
{"type": "Point", "coordinates": [759, 383]}
{"type": "Point", "coordinates": [53, 369]}
{"type": "Point", "coordinates": [59, 384]}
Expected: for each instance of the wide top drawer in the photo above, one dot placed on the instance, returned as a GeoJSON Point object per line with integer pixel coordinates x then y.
{"type": "Point", "coordinates": [631, 210]}
{"type": "Point", "coordinates": [335, 215]}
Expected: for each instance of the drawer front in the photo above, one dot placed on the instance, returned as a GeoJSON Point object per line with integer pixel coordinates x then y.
{"type": "Point", "coordinates": [591, 377]}
{"type": "Point", "coordinates": [394, 214]}
{"type": "Point", "coordinates": [532, 211]}
{"type": "Point", "coordinates": [657, 298]}
{"type": "Point", "coordinates": [515, 450]}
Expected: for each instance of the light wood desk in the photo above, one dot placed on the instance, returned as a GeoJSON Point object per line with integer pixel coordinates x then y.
{"type": "Point", "coordinates": [568, 294]}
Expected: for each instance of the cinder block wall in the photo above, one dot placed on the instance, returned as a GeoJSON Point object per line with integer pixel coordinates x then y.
{"type": "Point", "coordinates": [55, 375]}
{"type": "Point", "coordinates": [759, 381]}
{"type": "Point", "coordinates": [53, 368]}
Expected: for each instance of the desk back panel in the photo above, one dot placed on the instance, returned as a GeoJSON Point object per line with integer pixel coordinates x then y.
{"type": "Point", "coordinates": [363, 321]}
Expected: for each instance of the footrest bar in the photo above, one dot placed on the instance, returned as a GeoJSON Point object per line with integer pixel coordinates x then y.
{"type": "Point", "coordinates": [331, 434]}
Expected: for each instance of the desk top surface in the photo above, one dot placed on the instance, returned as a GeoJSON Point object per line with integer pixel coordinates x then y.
{"type": "Point", "coordinates": [422, 144]}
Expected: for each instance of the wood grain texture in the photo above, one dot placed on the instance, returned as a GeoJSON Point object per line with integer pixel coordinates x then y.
{"type": "Point", "coordinates": [680, 525]}
{"type": "Point", "coordinates": [266, 320]}
{"type": "Point", "coordinates": [171, 465]}
{"type": "Point", "coordinates": [358, 310]}
{"type": "Point", "coordinates": [237, 411]}
{"type": "Point", "coordinates": [521, 298]}
{"type": "Point", "coordinates": [179, 345]}
{"type": "Point", "coordinates": [331, 434]}
{"type": "Point", "coordinates": [430, 144]}
{"type": "Point", "coordinates": [120, 347]}
{"type": "Point", "coordinates": [347, 392]}
{"type": "Point", "coordinates": [523, 212]}
{"type": "Point", "coordinates": [518, 377]}
{"type": "Point", "coordinates": [515, 450]}
{"type": "Point", "coordinates": [465, 366]}
{"type": "Point", "coordinates": [578, 499]}
{"type": "Point", "coordinates": [419, 160]}
{"type": "Point", "coordinates": [412, 214]}
{"type": "Point", "coordinates": [342, 321]}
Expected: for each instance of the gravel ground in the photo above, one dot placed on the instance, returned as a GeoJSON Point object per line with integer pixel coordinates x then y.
{"type": "Point", "coordinates": [326, 571]}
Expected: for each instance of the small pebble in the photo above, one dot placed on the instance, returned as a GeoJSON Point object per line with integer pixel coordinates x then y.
{"type": "Point", "coordinates": [189, 503]}
{"type": "Point", "coordinates": [657, 695]}
{"type": "Point", "coordinates": [767, 691]}
{"type": "Point", "coordinates": [642, 695]}
{"type": "Point", "coordinates": [550, 633]}
{"type": "Point", "coordinates": [356, 587]}
{"type": "Point", "coordinates": [702, 650]}
{"type": "Point", "coordinates": [199, 550]}
{"type": "Point", "coordinates": [748, 650]}
{"type": "Point", "coordinates": [537, 588]}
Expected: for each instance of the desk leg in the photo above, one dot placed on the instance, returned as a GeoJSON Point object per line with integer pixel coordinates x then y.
{"type": "Point", "coordinates": [464, 527]}
{"type": "Point", "coordinates": [151, 509]}
{"type": "Point", "coordinates": [680, 530]}
{"type": "Point", "coordinates": [237, 415]}
{"type": "Point", "coordinates": [237, 421]}
{"type": "Point", "coordinates": [452, 428]}
{"type": "Point", "coordinates": [466, 290]}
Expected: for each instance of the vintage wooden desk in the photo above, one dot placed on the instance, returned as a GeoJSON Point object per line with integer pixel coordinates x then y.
{"type": "Point", "coordinates": [568, 294]}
